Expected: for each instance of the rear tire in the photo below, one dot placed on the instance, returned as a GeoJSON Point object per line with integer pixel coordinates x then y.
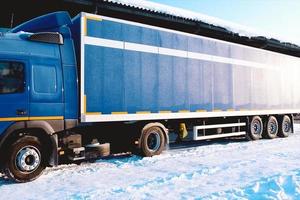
{"type": "Point", "coordinates": [271, 129]}
{"type": "Point", "coordinates": [26, 160]}
{"type": "Point", "coordinates": [285, 126]}
{"type": "Point", "coordinates": [152, 141]}
{"type": "Point", "coordinates": [255, 128]}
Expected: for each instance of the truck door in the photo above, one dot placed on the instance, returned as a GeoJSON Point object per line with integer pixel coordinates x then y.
{"type": "Point", "coordinates": [13, 91]}
{"type": "Point", "coordinates": [46, 97]}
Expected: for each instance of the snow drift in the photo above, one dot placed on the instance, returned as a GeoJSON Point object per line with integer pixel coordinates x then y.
{"type": "Point", "coordinates": [190, 15]}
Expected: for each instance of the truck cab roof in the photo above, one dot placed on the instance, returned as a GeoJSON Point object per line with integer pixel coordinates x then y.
{"type": "Point", "coordinates": [19, 44]}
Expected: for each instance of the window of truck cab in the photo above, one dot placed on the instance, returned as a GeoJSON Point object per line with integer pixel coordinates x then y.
{"type": "Point", "coordinates": [12, 77]}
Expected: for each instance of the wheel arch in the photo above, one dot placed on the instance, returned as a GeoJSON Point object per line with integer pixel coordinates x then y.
{"type": "Point", "coordinates": [41, 129]}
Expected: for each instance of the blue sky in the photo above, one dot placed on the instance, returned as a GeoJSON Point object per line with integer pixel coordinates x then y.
{"type": "Point", "coordinates": [281, 17]}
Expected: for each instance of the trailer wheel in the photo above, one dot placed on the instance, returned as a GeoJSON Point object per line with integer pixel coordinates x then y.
{"type": "Point", "coordinates": [26, 160]}
{"type": "Point", "coordinates": [285, 126]}
{"type": "Point", "coordinates": [255, 128]}
{"type": "Point", "coordinates": [271, 128]}
{"type": "Point", "coordinates": [152, 141]}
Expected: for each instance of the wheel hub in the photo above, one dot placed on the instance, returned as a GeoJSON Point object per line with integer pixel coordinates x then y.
{"type": "Point", "coordinates": [272, 128]}
{"type": "Point", "coordinates": [256, 127]}
{"type": "Point", "coordinates": [28, 159]}
{"type": "Point", "coordinates": [286, 126]}
{"type": "Point", "coordinates": [153, 141]}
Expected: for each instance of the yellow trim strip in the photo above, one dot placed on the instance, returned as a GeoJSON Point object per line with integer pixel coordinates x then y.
{"type": "Point", "coordinates": [84, 104]}
{"type": "Point", "coordinates": [184, 111]}
{"type": "Point", "coordinates": [14, 119]}
{"type": "Point", "coordinates": [47, 118]}
{"type": "Point", "coordinates": [217, 110]}
{"type": "Point", "coordinates": [84, 108]}
{"type": "Point", "coordinates": [143, 112]}
{"type": "Point", "coordinates": [201, 110]}
{"type": "Point", "coordinates": [94, 18]}
{"type": "Point", "coordinates": [119, 113]}
{"type": "Point", "coordinates": [165, 111]}
{"type": "Point", "coordinates": [231, 109]}
{"type": "Point", "coordinates": [93, 113]}
{"type": "Point", "coordinates": [5, 119]}
{"type": "Point", "coordinates": [84, 25]}
{"type": "Point", "coordinates": [85, 18]}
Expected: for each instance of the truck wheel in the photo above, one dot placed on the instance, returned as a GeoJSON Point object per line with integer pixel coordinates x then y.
{"type": "Point", "coordinates": [271, 128]}
{"type": "Point", "coordinates": [25, 161]}
{"type": "Point", "coordinates": [255, 128]}
{"type": "Point", "coordinates": [285, 126]}
{"type": "Point", "coordinates": [152, 141]}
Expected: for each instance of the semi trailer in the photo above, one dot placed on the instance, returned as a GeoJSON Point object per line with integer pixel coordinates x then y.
{"type": "Point", "coordinates": [66, 84]}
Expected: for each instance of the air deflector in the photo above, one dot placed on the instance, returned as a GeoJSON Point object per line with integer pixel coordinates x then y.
{"type": "Point", "coordinates": [45, 23]}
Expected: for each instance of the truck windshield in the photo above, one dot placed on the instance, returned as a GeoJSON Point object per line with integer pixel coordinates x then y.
{"type": "Point", "coordinates": [11, 77]}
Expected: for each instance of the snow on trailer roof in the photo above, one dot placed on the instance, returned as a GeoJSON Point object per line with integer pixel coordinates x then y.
{"type": "Point", "coordinates": [190, 15]}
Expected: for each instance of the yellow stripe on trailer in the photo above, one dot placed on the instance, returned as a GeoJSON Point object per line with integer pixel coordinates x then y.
{"type": "Point", "coordinates": [119, 113]}
{"type": "Point", "coordinates": [143, 112]}
{"type": "Point", "coordinates": [165, 111]}
{"type": "Point", "coordinates": [184, 111]}
{"type": "Point", "coordinates": [88, 17]}
{"type": "Point", "coordinates": [84, 104]}
{"type": "Point", "coordinates": [201, 110]}
{"type": "Point", "coordinates": [95, 18]}
{"type": "Point", "coordinates": [231, 109]}
{"type": "Point", "coordinates": [217, 110]}
{"type": "Point", "coordinates": [93, 113]}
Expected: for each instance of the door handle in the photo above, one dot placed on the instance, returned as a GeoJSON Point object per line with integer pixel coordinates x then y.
{"type": "Point", "coordinates": [21, 112]}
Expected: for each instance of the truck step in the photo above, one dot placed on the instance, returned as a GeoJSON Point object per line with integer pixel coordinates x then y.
{"type": "Point", "coordinates": [76, 154]}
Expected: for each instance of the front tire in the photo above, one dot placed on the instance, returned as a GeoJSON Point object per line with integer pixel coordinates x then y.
{"type": "Point", "coordinates": [152, 141]}
{"type": "Point", "coordinates": [26, 160]}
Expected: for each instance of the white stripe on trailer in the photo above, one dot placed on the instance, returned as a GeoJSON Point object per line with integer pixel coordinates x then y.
{"type": "Point", "coordinates": [219, 126]}
{"type": "Point", "coordinates": [220, 135]}
{"type": "Point", "coordinates": [171, 52]}
{"type": "Point", "coordinates": [138, 47]}
{"type": "Point", "coordinates": [189, 115]}
{"type": "Point", "coordinates": [104, 42]}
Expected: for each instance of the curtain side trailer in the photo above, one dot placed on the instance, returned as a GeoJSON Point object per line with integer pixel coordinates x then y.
{"type": "Point", "coordinates": [71, 88]}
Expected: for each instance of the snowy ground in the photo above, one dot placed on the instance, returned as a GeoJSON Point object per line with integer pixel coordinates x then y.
{"type": "Point", "coordinates": [226, 169]}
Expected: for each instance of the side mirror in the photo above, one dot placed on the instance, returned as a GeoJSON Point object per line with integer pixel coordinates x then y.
{"type": "Point", "coordinates": [47, 37]}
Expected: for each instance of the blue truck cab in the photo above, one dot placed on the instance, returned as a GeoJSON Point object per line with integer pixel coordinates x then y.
{"type": "Point", "coordinates": [71, 87]}
{"type": "Point", "coordinates": [38, 81]}
{"type": "Point", "coordinates": [37, 71]}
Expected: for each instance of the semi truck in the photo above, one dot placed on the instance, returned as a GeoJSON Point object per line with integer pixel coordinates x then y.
{"type": "Point", "coordinates": [66, 84]}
